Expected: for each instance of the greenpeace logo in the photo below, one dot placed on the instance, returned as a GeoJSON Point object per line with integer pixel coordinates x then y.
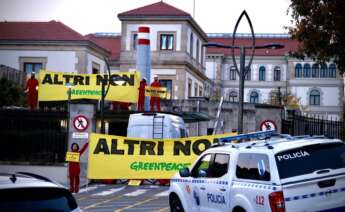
{"type": "Point", "coordinates": [294, 155]}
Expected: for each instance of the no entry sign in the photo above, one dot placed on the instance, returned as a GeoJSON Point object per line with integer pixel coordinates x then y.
{"type": "Point", "coordinates": [80, 123]}
{"type": "Point", "coordinates": [268, 125]}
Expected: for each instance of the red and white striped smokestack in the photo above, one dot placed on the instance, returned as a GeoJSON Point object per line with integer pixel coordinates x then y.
{"type": "Point", "coordinates": [144, 35]}
{"type": "Point", "coordinates": [143, 60]}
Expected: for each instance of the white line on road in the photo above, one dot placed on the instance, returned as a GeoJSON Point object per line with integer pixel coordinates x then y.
{"type": "Point", "coordinates": [110, 191]}
{"type": "Point", "coordinates": [162, 194]}
{"type": "Point", "coordinates": [136, 193]}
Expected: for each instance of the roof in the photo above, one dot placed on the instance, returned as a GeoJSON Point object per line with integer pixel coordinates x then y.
{"type": "Point", "coordinates": [157, 9]}
{"type": "Point", "coordinates": [38, 31]}
{"type": "Point", "coordinates": [289, 45]}
{"type": "Point", "coordinates": [277, 144]}
{"type": "Point", "coordinates": [18, 180]}
{"type": "Point", "coordinates": [112, 43]}
{"type": "Point", "coordinates": [163, 12]}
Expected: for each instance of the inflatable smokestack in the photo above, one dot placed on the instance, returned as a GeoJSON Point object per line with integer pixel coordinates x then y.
{"type": "Point", "coordinates": [143, 62]}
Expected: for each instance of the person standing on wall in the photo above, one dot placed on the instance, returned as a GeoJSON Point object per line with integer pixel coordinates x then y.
{"type": "Point", "coordinates": [74, 168]}
{"type": "Point", "coordinates": [155, 100]}
{"type": "Point", "coordinates": [32, 91]}
{"type": "Point", "coordinates": [141, 99]}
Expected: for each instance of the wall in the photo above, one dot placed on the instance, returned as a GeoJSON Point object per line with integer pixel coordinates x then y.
{"type": "Point", "coordinates": [254, 115]}
{"type": "Point", "coordinates": [154, 30]}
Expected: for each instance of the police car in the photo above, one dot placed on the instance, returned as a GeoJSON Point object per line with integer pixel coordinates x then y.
{"type": "Point", "coordinates": [280, 173]}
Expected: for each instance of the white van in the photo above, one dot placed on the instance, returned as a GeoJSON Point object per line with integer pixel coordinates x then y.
{"type": "Point", "coordinates": [156, 125]}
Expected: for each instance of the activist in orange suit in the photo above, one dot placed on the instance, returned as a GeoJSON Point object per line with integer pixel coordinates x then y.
{"type": "Point", "coordinates": [155, 100]}
{"type": "Point", "coordinates": [32, 93]}
{"type": "Point", "coordinates": [141, 99]}
{"type": "Point", "coordinates": [74, 168]}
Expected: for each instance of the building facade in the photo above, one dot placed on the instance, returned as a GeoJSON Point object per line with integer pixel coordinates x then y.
{"type": "Point", "coordinates": [274, 75]}
{"type": "Point", "coordinates": [176, 43]}
{"type": "Point", "coordinates": [31, 46]}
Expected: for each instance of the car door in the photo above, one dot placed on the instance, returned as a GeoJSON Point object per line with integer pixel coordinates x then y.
{"type": "Point", "coordinates": [217, 187]}
{"type": "Point", "coordinates": [199, 175]}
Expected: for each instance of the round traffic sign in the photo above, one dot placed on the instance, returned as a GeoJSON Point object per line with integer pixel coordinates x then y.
{"type": "Point", "coordinates": [80, 123]}
{"type": "Point", "coordinates": [268, 125]}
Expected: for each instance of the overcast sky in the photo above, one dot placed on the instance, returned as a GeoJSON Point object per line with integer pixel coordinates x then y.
{"type": "Point", "coordinates": [89, 16]}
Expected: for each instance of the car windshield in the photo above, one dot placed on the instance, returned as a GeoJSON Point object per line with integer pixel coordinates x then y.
{"type": "Point", "coordinates": [308, 159]}
{"type": "Point", "coordinates": [36, 199]}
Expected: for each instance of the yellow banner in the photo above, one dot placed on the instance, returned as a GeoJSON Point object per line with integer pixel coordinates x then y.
{"type": "Point", "coordinates": [72, 156]}
{"type": "Point", "coordinates": [160, 92]}
{"type": "Point", "coordinates": [123, 86]}
{"type": "Point", "coordinates": [116, 157]}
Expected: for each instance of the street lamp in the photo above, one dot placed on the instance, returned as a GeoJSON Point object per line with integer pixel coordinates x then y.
{"type": "Point", "coordinates": [242, 71]}
{"type": "Point", "coordinates": [69, 93]}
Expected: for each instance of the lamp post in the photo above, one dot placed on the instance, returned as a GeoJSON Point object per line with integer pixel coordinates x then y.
{"type": "Point", "coordinates": [244, 69]}
{"type": "Point", "coordinates": [69, 93]}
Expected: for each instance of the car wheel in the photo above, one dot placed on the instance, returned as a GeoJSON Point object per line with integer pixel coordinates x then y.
{"type": "Point", "coordinates": [238, 209]}
{"type": "Point", "coordinates": [175, 205]}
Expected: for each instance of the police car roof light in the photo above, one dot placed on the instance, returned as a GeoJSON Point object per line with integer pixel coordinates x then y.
{"type": "Point", "coordinates": [257, 135]}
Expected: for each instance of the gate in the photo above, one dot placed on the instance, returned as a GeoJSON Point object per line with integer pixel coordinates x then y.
{"type": "Point", "coordinates": [304, 125]}
{"type": "Point", "coordinates": [33, 137]}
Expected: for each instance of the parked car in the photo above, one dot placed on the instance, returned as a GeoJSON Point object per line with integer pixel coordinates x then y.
{"type": "Point", "coordinates": [30, 192]}
{"type": "Point", "coordinates": [283, 173]}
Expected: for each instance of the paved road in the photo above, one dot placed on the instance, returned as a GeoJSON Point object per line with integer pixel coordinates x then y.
{"type": "Point", "coordinates": [121, 197]}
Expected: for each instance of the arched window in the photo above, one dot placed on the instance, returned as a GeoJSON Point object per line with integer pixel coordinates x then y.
{"type": "Point", "coordinates": [332, 71]}
{"type": "Point", "coordinates": [277, 73]}
{"type": "Point", "coordinates": [314, 97]}
{"type": "Point", "coordinates": [306, 70]}
{"type": "Point", "coordinates": [233, 73]}
{"type": "Point", "coordinates": [254, 97]}
{"type": "Point", "coordinates": [249, 74]}
{"type": "Point", "coordinates": [323, 71]}
{"type": "Point", "coordinates": [298, 70]}
{"type": "Point", "coordinates": [233, 96]}
{"type": "Point", "coordinates": [262, 73]}
{"type": "Point", "coordinates": [315, 72]}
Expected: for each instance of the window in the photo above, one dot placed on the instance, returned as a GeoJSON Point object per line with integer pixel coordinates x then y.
{"type": "Point", "coordinates": [195, 89]}
{"type": "Point", "coordinates": [323, 71]}
{"type": "Point", "coordinates": [191, 45]}
{"type": "Point", "coordinates": [197, 50]}
{"type": "Point", "coordinates": [306, 70]}
{"type": "Point", "coordinates": [134, 41]}
{"type": "Point", "coordinates": [233, 96]}
{"type": "Point", "coordinates": [200, 91]}
{"type": "Point", "coordinates": [168, 85]}
{"type": "Point", "coordinates": [233, 73]}
{"type": "Point", "coordinates": [189, 87]}
{"type": "Point", "coordinates": [95, 68]}
{"type": "Point", "coordinates": [298, 70]}
{"type": "Point", "coordinates": [254, 97]}
{"type": "Point", "coordinates": [262, 73]}
{"type": "Point", "coordinates": [32, 67]}
{"type": "Point", "coordinates": [202, 165]}
{"type": "Point", "coordinates": [314, 97]}
{"type": "Point", "coordinates": [315, 72]}
{"type": "Point", "coordinates": [220, 165]}
{"type": "Point", "coordinates": [332, 71]}
{"type": "Point", "coordinates": [277, 73]}
{"type": "Point", "coordinates": [253, 167]}
{"type": "Point", "coordinates": [314, 157]}
{"type": "Point", "coordinates": [166, 41]}
{"type": "Point", "coordinates": [249, 74]}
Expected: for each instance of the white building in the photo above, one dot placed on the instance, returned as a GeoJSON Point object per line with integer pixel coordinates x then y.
{"type": "Point", "coordinates": [31, 46]}
{"type": "Point", "coordinates": [319, 88]}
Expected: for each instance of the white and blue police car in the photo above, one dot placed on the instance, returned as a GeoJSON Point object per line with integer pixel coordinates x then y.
{"type": "Point", "coordinates": [280, 173]}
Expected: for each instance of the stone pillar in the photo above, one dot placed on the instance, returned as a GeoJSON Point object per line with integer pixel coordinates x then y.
{"type": "Point", "coordinates": [82, 122]}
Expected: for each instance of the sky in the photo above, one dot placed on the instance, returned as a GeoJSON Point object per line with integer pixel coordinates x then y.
{"type": "Point", "coordinates": [90, 16]}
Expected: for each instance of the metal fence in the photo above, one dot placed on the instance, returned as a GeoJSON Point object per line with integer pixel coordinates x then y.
{"type": "Point", "coordinates": [33, 137]}
{"type": "Point", "coordinates": [305, 125]}
{"type": "Point", "coordinates": [17, 76]}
